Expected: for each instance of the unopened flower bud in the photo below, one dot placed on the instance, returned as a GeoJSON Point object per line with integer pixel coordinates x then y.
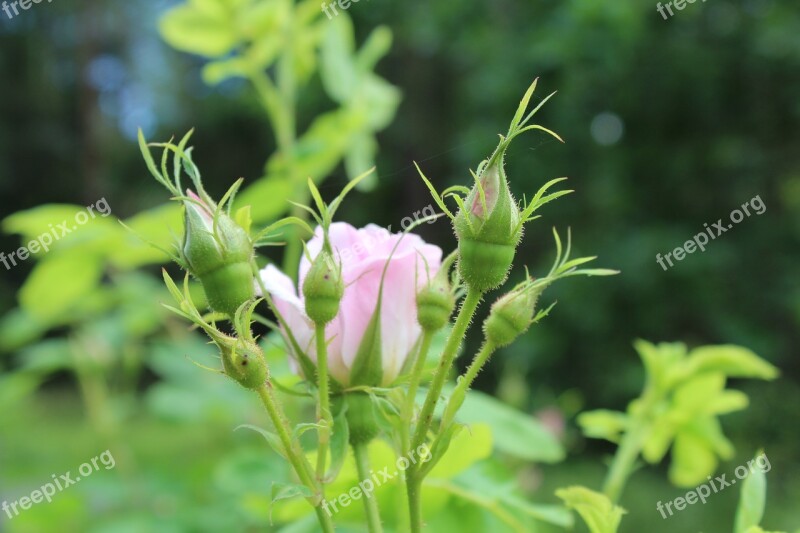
{"type": "Point", "coordinates": [323, 288]}
{"type": "Point", "coordinates": [218, 256]}
{"type": "Point", "coordinates": [436, 301]}
{"type": "Point", "coordinates": [512, 314]}
{"type": "Point", "coordinates": [244, 362]}
{"type": "Point", "coordinates": [488, 227]}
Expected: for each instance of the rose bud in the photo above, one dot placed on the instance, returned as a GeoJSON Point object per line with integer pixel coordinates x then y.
{"type": "Point", "coordinates": [488, 227]}
{"type": "Point", "coordinates": [220, 257]}
{"type": "Point", "coordinates": [323, 288]}
{"type": "Point", "coordinates": [244, 362]}
{"type": "Point", "coordinates": [436, 301]}
{"type": "Point", "coordinates": [512, 313]}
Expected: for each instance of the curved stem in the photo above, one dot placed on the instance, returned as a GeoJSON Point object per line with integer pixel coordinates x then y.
{"type": "Point", "coordinates": [370, 503]}
{"type": "Point", "coordinates": [323, 404]}
{"type": "Point", "coordinates": [464, 383]}
{"type": "Point", "coordinates": [468, 308]}
{"type": "Point", "coordinates": [294, 453]}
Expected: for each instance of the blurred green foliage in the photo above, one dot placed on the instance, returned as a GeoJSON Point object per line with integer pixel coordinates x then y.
{"type": "Point", "coordinates": [668, 125]}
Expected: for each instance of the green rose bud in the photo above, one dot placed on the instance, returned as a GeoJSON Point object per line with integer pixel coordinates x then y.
{"type": "Point", "coordinates": [218, 256]}
{"type": "Point", "coordinates": [323, 288]}
{"type": "Point", "coordinates": [243, 361]}
{"type": "Point", "coordinates": [488, 227]}
{"type": "Point", "coordinates": [436, 301]}
{"type": "Point", "coordinates": [512, 314]}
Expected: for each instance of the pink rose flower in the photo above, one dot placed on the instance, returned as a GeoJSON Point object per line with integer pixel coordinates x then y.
{"type": "Point", "coordinates": [363, 254]}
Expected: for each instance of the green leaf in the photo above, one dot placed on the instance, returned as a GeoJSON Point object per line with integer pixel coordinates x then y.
{"type": "Point", "coordinates": [752, 499]}
{"type": "Point", "coordinates": [360, 157]}
{"type": "Point", "coordinates": [468, 445]}
{"type": "Point", "coordinates": [37, 221]}
{"type": "Point", "coordinates": [338, 71]}
{"type": "Point", "coordinates": [200, 27]}
{"type": "Point", "coordinates": [374, 48]}
{"type": "Point", "coordinates": [379, 99]}
{"type": "Point", "coordinates": [693, 459]}
{"type": "Point", "coordinates": [660, 361]}
{"type": "Point", "coordinates": [287, 491]}
{"type": "Point", "coordinates": [58, 283]}
{"type": "Point", "coordinates": [267, 197]}
{"type": "Point", "coordinates": [18, 328]}
{"type": "Point", "coordinates": [48, 356]}
{"type": "Point", "coordinates": [272, 439]}
{"type": "Point", "coordinates": [515, 433]}
{"type": "Point", "coordinates": [603, 424]}
{"type": "Point", "coordinates": [694, 396]}
{"type": "Point", "coordinates": [659, 440]}
{"type": "Point", "coordinates": [216, 72]}
{"type": "Point", "coordinates": [152, 231]}
{"type": "Point", "coordinates": [551, 514]}
{"type": "Point", "coordinates": [596, 510]}
{"type": "Point", "coordinates": [733, 361]}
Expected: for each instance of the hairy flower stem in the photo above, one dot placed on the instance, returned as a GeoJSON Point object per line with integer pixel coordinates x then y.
{"type": "Point", "coordinates": [413, 477]}
{"type": "Point", "coordinates": [370, 503]}
{"type": "Point", "coordinates": [294, 453]}
{"type": "Point", "coordinates": [413, 385]}
{"type": "Point", "coordinates": [323, 405]}
{"type": "Point", "coordinates": [464, 383]}
{"type": "Point", "coordinates": [630, 447]}
{"type": "Point", "coordinates": [465, 314]}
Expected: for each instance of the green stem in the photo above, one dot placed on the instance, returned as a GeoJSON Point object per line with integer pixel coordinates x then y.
{"type": "Point", "coordinates": [629, 448]}
{"type": "Point", "coordinates": [414, 490]}
{"type": "Point", "coordinates": [410, 494]}
{"type": "Point", "coordinates": [323, 405]}
{"type": "Point", "coordinates": [294, 453]}
{"type": "Point", "coordinates": [468, 308]}
{"type": "Point", "coordinates": [413, 385]}
{"type": "Point", "coordinates": [370, 503]}
{"type": "Point", "coordinates": [464, 383]}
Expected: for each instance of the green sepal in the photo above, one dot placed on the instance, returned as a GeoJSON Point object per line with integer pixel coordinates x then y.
{"type": "Point", "coordinates": [367, 366]}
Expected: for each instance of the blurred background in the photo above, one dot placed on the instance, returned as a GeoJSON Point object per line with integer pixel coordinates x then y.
{"type": "Point", "coordinates": [669, 124]}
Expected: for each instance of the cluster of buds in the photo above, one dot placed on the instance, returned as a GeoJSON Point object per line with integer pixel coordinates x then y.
{"type": "Point", "coordinates": [364, 308]}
